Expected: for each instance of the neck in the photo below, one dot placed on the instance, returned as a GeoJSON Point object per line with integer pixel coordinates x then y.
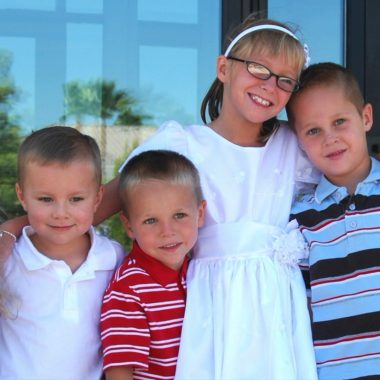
{"type": "Point", "coordinates": [245, 134]}
{"type": "Point", "coordinates": [73, 253]}
{"type": "Point", "coordinates": [351, 181]}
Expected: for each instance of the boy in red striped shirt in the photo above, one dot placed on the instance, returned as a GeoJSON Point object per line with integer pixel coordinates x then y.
{"type": "Point", "coordinates": [144, 305]}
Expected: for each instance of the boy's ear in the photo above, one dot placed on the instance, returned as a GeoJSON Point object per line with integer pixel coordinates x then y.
{"type": "Point", "coordinates": [20, 196]}
{"type": "Point", "coordinates": [127, 225]}
{"type": "Point", "coordinates": [99, 197]}
{"type": "Point", "coordinates": [201, 213]}
{"type": "Point", "coordinates": [367, 116]}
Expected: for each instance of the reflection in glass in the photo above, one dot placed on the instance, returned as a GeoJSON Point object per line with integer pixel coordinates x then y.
{"type": "Point", "coordinates": [43, 5]}
{"type": "Point", "coordinates": [84, 51]}
{"type": "Point", "coordinates": [164, 81]}
{"type": "Point", "coordinates": [168, 11]}
{"type": "Point", "coordinates": [84, 6]}
{"type": "Point", "coordinates": [324, 35]}
{"type": "Point", "coordinates": [163, 53]}
{"type": "Point", "coordinates": [23, 52]}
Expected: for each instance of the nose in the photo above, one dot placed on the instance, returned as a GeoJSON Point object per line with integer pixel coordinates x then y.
{"type": "Point", "coordinates": [331, 138]}
{"type": "Point", "coordinates": [60, 210]}
{"type": "Point", "coordinates": [269, 84]}
{"type": "Point", "coordinates": [167, 228]}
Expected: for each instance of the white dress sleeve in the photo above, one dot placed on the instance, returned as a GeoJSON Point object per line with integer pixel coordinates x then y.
{"type": "Point", "coordinates": [170, 136]}
{"type": "Point", "coordinates": [306, 176]}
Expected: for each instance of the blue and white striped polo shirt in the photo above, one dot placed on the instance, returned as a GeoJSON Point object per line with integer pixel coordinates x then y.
{"type": "Point", "coordinates": [343, 233]}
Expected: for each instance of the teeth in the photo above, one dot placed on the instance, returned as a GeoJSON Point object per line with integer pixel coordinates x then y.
{"type": "Point", "coordinates": [170, 245]}
{"type": "Point", "coordinates": [260, 100]}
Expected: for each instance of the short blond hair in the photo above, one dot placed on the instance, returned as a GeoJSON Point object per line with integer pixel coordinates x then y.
{"type": "Point", "coordinates": [58, 144]}
{"type": "Point", "coordinates": [163, 165]}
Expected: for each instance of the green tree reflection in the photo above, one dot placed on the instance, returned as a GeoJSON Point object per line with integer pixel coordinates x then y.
{"type": "Point", "coordinates": [10, 139]}
{"type": "Point", "coordinates": [100, 99]}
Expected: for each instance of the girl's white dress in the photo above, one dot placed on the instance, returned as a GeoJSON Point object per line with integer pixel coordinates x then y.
{"type": "Point", "coordinates": [246, 315]}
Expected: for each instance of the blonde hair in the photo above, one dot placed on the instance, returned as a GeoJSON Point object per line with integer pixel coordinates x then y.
{"type": "Point", "coordinates": [58, 144]}
{"type": "Point", "coordinates": [163, 165]}
{"type": "Point", "coordinates": [263, 41]}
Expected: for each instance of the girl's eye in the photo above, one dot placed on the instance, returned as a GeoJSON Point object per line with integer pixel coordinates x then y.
{"type": "Point", "coordinates": [312, 131]}
{"type": "Point", "coordinates": [180, 215]}
{"type": "Point", "coordinates": [45, 199]}
{"type": "Point", "coordinates": [339, 121]}
{"type": "Point", "coordinates": [149, 221]}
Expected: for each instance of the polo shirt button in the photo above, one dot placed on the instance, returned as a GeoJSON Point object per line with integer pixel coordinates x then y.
{"type": "Point", "coordinates": [352, 206]}
{"type": "Point", "coordinates": [353, 224]}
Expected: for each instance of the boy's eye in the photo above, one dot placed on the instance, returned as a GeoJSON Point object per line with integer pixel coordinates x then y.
{"type": "Point", "coordinates": [180, 215]}
{"type": "Point", "coordinates": [76, 199]}
{"type": "Point", "coordinates": [45, 199]}
{"type": "Point", "coordinates": [339, 121]}
{"type": "Point", "coordinates": [312, 131]}
{"type": "Point", "coordinates": [149, 221]}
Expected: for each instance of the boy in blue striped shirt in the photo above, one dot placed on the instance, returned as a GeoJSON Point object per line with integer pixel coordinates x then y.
{"type": "Point", "coordinates": [340, 220]}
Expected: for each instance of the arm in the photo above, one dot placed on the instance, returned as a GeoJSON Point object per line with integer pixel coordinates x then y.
{"type": "Point", "coordinates": [14, 227]}
{"type": "Point", "coordinates": [120, 304]}
{"type": "Point", "coordinates": [111, 203]}
{"type": "Point", "coordinates": [119, 373]}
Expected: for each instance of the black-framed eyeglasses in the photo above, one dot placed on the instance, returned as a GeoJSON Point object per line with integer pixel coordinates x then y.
{"type": "Point", "coordinates": [260, 71]}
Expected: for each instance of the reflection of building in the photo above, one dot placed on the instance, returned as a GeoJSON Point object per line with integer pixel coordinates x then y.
{"type": "Point", "coordinates": [163, 52]}
{"type": "Point", "coordinates": [120, 141]}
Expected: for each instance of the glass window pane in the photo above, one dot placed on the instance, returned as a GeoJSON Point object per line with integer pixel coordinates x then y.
{"type": "Point", "coordinates": [65, 55]}
{"type": "Point", "coordinates": [84, 6]}
{"type": "Point", "coordinates": [44, 5]}
{"type": "Point", "coordinates": [168, 10]}
{"type": "Point", "coordinates": [321, 24]}
{"type": "Point", "coordinates": [162, 78]}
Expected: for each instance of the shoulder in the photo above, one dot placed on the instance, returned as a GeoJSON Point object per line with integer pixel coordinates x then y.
{"type": "Point", "coordinates": [284, 141]}
{"type": "Point", "coordinates": [108, 253]}
{"type": "Point", "coordinates": [304, 200]}
{"type": "Point", "coordinates": [285, 132]}
{"type": "Point", "coordinates": [170, 136]}
{"type": "Point", "coordinates": [305, 170]}
{"type": "Point", "coordinates": [118, 249]}
{"type": "Point", "coordinates": [21, 249]}
{"type": "Point", "coordinates": [130, 273]}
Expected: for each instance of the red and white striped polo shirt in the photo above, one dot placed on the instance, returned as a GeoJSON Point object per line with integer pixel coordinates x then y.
{"type": "Point", "coordinates": [142, 316]}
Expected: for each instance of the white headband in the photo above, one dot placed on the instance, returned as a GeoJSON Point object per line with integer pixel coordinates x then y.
{"type": "Point", "coordinates": [254, 29]}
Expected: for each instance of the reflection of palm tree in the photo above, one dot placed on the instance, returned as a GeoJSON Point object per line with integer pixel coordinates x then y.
{"type": "Point", "coordinates": [76, 101]}
{"type": "Point", "coordinates": [108, 99]}
{"type": "Point", "coordinates": [100, 99]}
{"type": "Point", "coordinates": [9, 137]}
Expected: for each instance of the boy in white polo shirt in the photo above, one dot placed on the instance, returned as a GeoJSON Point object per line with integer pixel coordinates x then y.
{"type": "Point", "coordinates": [59, 268]}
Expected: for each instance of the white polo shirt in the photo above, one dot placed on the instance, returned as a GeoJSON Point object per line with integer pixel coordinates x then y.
{"type": "Point", "coordinates": [52, 331]}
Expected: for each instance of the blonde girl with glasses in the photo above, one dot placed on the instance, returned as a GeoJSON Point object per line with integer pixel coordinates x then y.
{"type": "Point", "coordinates": [246, 315]}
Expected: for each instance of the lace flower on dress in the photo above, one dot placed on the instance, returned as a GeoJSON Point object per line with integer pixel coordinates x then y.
{"type": "Point", "coordinates": [290, 248]}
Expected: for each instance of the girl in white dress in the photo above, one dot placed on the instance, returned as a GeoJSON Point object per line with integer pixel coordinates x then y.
{"type": "Point", "coordinates": [246, 314]}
